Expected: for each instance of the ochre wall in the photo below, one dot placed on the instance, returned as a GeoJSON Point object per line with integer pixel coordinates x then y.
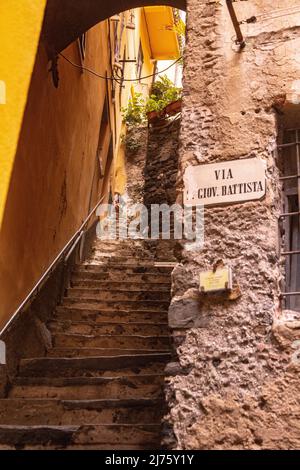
{"type": "Point", "coordinates": [20, 25]}
{"type": "Point", "coordinates": [49, 195]}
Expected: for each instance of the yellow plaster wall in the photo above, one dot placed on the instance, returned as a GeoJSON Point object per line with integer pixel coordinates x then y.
{"type": "Point", "coordinates": [20, 26]}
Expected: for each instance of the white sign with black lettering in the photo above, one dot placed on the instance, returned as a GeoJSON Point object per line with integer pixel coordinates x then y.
{"type": "Point", "coordinates": [225, 183]}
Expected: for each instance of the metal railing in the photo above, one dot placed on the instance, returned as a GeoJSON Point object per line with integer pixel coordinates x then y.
{"type": "Point", "coordinates": [65, 252]}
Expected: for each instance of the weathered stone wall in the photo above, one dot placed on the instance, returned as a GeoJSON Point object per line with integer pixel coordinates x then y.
{"type": "Point", "coordinates": [135, 164]}
{"type": "Point", "coordinates": [162, 164]}
{"type": "Point", "coordinates": [238, 388]}
{"type": "Point", "coordinates": [151, 169]}
{"type": "Point", "coordinates": [151, 173]}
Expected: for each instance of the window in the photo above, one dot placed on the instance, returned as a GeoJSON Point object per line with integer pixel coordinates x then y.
{"type": "Point", "coordinates": [140, 62]}
{"type": "Point", "coordinates": [104, 128]}
{"type": "Point", "coordinates": [290, 220]}
{"type": "Point", "coordinates": [118, 35]}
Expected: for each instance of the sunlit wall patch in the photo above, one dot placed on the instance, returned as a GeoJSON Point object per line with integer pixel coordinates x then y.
{"type": "Point", "coordinates": [2, 92]}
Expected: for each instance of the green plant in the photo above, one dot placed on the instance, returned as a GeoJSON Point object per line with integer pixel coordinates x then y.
{"type": "Point", "coordinates": [163, 93]}
{"type": "Point", "coordinates": [134, 114]}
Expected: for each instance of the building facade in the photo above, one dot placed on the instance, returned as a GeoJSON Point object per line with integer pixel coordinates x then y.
{"type": "Point", "coordinates": [235, 384]}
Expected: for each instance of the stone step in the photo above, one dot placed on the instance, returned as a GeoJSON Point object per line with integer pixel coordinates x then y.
{"type": "Point", "coordinates": [89, 388]}
{"type": "Point", "coordinates": [100, 259]}
{"type": "Point", "coordinates": [130, 258]}
{"type": "Point", "coordinates": [122, 285]}
{"type": "Point", "coordinates": [87, 352]}
{"type": "Point", "coordinates": [137, 253]}
{"type": "Point", "coordinates": [119, 243]}
{"type": "Point", "coordinates": [108, 328]}
{"type": "Point", "coordinates": [113, 341]}
{"type": "Point", "coordinates": [124, 259]}
{"type": "Point", "coordinates": [106, 446]}
{"type": "Point", "coordinates": [117, 295]}
{"type": "Point", "coordinates": [152, 368]}
{"type": "Point", "coordinates": [119, 276]}
{"type": "Point", "coordinates": [88, 302]}
{"type": "Point", "coordinates": [101, 366]}
{"type": "Point", "coordinates": [128, 243]}
{"type": "Point", "coordinates": [146, 243]}
{"type": "Point", "coordinates": [31, 412]}
{"type": "Point", "coordinates": [110, 315]}
{"type": "Point", "coordinates": [121, 254]}
{"type": "Point", "coordinates": [125, 269]}
{"type": "Point", "coordinates": [63, 436]}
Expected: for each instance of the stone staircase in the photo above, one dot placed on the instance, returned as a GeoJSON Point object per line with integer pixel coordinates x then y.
{"type": "Point", "coordinates": [101, 384]}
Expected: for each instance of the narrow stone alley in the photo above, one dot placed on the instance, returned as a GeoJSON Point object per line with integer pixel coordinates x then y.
{"type": "Point", "coordinates": [181, 333]}
{"type": "Point", "coordinates": [101, 383]}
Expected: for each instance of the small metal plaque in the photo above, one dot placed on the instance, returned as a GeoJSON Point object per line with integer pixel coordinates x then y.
{"type": "Point", "coordinates": [216, 281]}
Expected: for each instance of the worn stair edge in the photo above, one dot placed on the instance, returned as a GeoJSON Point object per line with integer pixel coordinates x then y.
{"type": "Point", "coordinates": [130, 287]}
{"type": "Point", "coordinates": [55, 412]}
{"type": "Point", "coordinates": [116, 276]}
{"type": "Point", "coordinates": [105, 323]}
{"type": "Point", "coordinates": [93, 404]}
{"type": "Point", "coordinates": [140, 304]}
{"type": "Point", "coordinates": [78, 381]}
{"type": "Point", "coordinates": [111, 341]}
{"type": "Point", "coordinates": [90, 363]}
{"type": "Point", "coordinates": [108, 328]}
{"type": "Point", "coordinates": [97, 290]}
{"type": "Point", "coordinates": [135, 269]}
{"type": "Point", "coordinates": [87, 352]}
{"type": "Point", "coordinates": [95, 310]}
{"type": "Point", "coordinates": [65, 435]}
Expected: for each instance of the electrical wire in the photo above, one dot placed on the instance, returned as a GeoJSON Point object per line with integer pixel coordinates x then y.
{"type": "Point", "coordinates": [81, 67]}
{"type": "Point", "coordinates": [280, 16]}
{"type": "Point", "coordinates": [272, 14]}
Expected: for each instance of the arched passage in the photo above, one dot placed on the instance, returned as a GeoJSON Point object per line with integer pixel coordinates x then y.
{"type": "Point", "coordinates": [66, 20]}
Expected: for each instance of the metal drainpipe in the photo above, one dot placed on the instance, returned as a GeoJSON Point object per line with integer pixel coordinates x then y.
{"type": "Point", "coordinates": [239, 36]}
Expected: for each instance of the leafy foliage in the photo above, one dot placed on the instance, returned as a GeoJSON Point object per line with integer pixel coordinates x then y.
{"type": "Point", "coordinates": [134, 114]}
{"type": "Point", "coordinates": [163, 92]}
